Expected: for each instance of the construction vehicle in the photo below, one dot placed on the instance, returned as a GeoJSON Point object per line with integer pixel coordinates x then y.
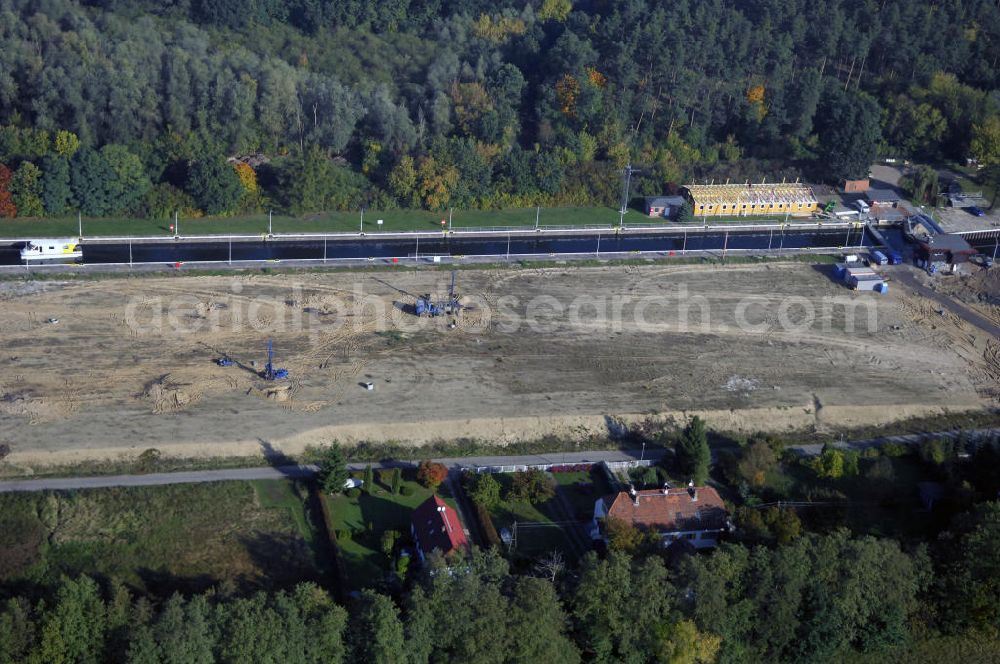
{"type": "Point", "coordinates": [270, 373]}
{"type": "Point", "coordinates": [830, 207]}
{"type": "Point", "coordinates": [425, 305]}
{"type": "Point", "coordinates": [224, 361]}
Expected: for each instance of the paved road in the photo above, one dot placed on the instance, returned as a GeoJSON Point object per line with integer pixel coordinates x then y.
{"type": "Point", "coordinates": [281, 472]}
{"type": "Point", "coordinates": [284, 472]}
{"type": "Point", "coordinates": [906, 439]}
{"type": "Point", "coordinates": [986, 325]}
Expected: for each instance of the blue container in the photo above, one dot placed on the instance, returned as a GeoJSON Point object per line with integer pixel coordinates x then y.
{"type": "Point", "coordinates": [420, 306]}
{"type": "Point", "coordinates": [882, 287]}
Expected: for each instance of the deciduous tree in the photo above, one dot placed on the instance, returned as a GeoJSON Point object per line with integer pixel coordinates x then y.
{"type": "Point", "coordinates": [26, 189]}
{"type": "Point", "coordinates": [7, 206]}
{"type": "Point", "coordinates": [214, 185]}
{"type": "Point", "coordinates": [431, 473]}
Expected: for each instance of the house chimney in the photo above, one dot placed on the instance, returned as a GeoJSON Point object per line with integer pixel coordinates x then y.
{"type": "Point", "coordinates": [635, 494]}
{"type": "Point", "coordinates": [666, 488]}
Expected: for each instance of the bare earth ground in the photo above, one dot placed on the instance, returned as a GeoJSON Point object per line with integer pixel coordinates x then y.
{"type": "Point", "coordinates": [114, 376]}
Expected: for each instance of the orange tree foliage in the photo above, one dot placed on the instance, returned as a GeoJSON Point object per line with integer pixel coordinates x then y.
{"type": "Point", "coordinates": [435, 182]}
{"type": "Point", "coordinates": [597, 79]}
{"type": "Point", "coordinates": [7, 207]}
{"type": "Point", "coordinates": [567, 90]}
{"type": "Point", "coordinates": [431, 473]}
{"type": "Point", "coordinates": [248, 177]}
{"type": "Point", "coordinates": [755, 96]}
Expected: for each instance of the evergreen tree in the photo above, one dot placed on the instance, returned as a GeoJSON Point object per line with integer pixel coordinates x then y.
{"type": "Point", "coordinates": [333, 473]}
{"type": "Point", "coordinates": [91, 181]}
{"type": "Point", "coordinates": [693, 454]}
{"type": "Point", "coordinates": [56, 192]}
{"type": "Point", "coordinates": [849, 133]}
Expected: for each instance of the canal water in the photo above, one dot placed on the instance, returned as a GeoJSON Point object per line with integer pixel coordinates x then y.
{"type": "Point", "coordinates": [171, 251]}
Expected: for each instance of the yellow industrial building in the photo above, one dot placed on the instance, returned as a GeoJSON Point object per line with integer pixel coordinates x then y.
{"type": "Point", "coordinates": [746, 200]}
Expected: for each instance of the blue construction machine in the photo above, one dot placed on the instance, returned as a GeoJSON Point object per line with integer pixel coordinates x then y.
{"type": "Point", "coordinates": [270, 373]}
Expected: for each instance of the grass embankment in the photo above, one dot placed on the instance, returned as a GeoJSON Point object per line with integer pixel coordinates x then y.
{"type": "Point", "coordinates": [377, 451]}
{"type": "Point", "coordinates": [326, 222]}
{"type": "Point", "coordinates": [163, 539]}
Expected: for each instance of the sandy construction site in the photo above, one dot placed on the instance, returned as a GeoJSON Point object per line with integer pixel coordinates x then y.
{"type": "Point", "coordinates": [98, 369]}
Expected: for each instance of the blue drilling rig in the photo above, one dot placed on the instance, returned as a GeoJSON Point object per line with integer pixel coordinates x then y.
{"type": "Point", "coordinates": [270, 373]}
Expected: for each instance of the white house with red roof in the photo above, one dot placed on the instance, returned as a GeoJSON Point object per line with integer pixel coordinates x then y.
{"type": "Point", "coordinates": [435, 525]}
{"type": "Point", "coordinates": [695, 514]}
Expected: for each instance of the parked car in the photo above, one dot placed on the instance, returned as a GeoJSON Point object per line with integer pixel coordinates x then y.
{"type": "Point", "coordinates": [972, 209]}
{"type": "Point", "coordinates": [982, 259]}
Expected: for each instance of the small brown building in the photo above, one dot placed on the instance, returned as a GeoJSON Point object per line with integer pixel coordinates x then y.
{"type": "Point", "coordinates": [856, 186]}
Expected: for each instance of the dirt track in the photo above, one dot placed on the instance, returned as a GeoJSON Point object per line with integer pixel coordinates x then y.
{"type": "Point", "coordinates": [130, 365]}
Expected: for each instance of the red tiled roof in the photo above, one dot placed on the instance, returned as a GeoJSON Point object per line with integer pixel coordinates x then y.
{"type": "Point", "coordinates": [437, 526]}
{"type": "Point", "coordinates": [700, 508]}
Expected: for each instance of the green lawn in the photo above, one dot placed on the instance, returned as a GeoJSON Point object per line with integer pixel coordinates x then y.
{"type": "Point", "coordinates": [367, 516]}
{"type": "Point", "coordinates": [581, 489]}
{"type": "Point", "coordinates": [537, 530]}
{"type": "Point", "coordinates": [327, 222]}
{"type": "Point", "coordinates": [163, 539]}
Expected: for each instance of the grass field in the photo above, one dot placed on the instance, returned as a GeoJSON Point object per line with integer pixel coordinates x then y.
{"type": "Point", "coordinates": [581, 489]}
{"type": "Point", "coordinates": [327, 222]}
{"type": "Point", "coordinates": [541, 528]}
{"type": "Point", "coordinates": [163, 539]}
{"type": "Point", "coordinates": [367, 516]}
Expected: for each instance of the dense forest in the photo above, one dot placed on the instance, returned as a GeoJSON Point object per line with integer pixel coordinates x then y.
{"type": "Point", "coordinates": [116, 107]}
{"type": "Point", "coordinates": [820, 598]}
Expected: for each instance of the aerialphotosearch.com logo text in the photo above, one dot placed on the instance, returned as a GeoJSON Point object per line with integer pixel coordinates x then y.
{"type": "Point", "coordinates": [303, 310]}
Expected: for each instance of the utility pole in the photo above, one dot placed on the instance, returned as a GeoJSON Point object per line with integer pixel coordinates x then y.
{"type": "Point", "coordinates": [449, 218]}
{"type": "Point", "coordinates": [361, 229]}
{"type": "Point", "coordinates": [79, 221]}
{"type": "Point", "coordinates": [269, 233]}
{"type": "Point", "coordinates": [538, 211]}
{"type": "Point", "coordinates": [626, 183]}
